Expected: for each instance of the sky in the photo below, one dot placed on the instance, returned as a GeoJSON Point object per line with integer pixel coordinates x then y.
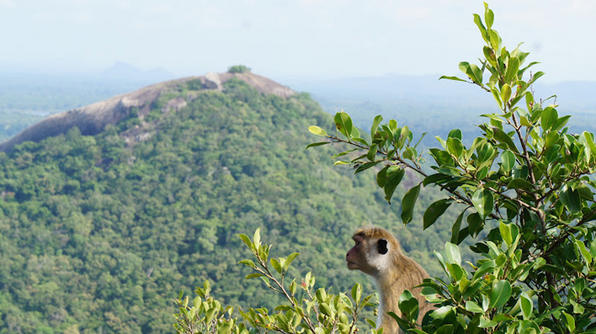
{"type": "Point", "coordinates": [297, 39]}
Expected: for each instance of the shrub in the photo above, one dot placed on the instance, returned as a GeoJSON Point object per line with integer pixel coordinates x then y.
{"type": "Point", "coordinates": [238, 69]}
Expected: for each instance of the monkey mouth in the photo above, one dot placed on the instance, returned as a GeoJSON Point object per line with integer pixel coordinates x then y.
{"type": "Point", "coordinates": [351, 265]}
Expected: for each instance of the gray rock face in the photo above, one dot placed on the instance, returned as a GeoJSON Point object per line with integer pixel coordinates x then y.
{"type": "Point", "coordinates": [93, 119]}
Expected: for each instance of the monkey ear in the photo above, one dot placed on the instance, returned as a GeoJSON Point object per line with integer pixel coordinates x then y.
{"type": "Point", "coordinates": [382, 246]}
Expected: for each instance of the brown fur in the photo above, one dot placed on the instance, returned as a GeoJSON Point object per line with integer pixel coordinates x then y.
{"type": "Point", "coordinates": [394, 272]}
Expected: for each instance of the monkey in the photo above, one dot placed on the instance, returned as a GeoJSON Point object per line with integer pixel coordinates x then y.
{"type": "Point", "coordinates": [378, 253]}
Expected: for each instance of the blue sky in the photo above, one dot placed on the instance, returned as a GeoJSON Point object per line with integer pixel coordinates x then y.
{"type": "Point", "coordinates": [301, 38]}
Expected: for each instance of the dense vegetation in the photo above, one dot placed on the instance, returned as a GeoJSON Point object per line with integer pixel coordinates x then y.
{"type": "Point", "coordinates": [97, 235]}
{"type": "Point", "coordinates": [525, 187]}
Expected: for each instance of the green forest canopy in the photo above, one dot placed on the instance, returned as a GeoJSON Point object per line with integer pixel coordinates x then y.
{"type": "Point", "coordinates": [96, 234]}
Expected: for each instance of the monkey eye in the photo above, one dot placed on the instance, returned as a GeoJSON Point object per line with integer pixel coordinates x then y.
{"type": "Point", "coordinates": [382, 246]}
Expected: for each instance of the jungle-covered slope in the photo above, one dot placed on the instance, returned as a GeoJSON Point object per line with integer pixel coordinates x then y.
{"type": "Point", "coordinates": [98, 233]}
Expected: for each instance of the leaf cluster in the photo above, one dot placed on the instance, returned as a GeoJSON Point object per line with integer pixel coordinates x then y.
{"type": "Point", "coordinates": [305, 310]}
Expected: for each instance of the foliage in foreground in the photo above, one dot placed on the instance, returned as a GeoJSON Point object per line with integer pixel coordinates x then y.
{"type": "Point", "coordinates": [525, 187]}
{"type": "Point", "coordinates": [525, 190]}
{"type": "Point", "coordinates": [305, 309]}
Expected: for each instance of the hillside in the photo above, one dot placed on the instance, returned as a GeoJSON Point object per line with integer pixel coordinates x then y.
{"type": "Point", "coordinates": [93, 118]}
{"type": "Point", "coordinates": [118, 206]}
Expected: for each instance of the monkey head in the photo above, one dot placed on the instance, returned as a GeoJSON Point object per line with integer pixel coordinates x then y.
{"type": "Point", "coordinates": [373, 251]}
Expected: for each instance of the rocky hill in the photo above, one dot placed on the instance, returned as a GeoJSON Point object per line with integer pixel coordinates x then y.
{"type": "Point", "coordinates": [93, 118]}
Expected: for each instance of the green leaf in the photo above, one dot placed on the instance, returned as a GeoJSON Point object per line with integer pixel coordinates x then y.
{"type": "Point", "coordinates": [325, 309]}
{"type": "Point", "coordinates": [535, 77]}
{"type": "Point", "coordinates": [495, 40]}
{"type": "Point", "coordinates": [401, 322]}
{"type": "Point", "coordinates": [318, 144]}
{"type": "Point", "coordinates": [372, 152]}
{"type": "Point", "coordinates": [246, 241]}
{"type": "Point", "coordinates": [408, 202]}
{"type": "Point", "coordinates": [257, 238]}
{"type": "Point", "coordinates": [577, 308]}
{"type": "Point", "coordinates": [590, 149]}
{"type": "Point", "coordinates": [405, 135]}
{"type": "Point", "coordinates": [548, 118]}
{"type": "Point", "coordinates": [473, 307]}
{"type": "Point", "coordinates": [393, 178]}
{"type": "Point", "coordinates": [275, 263]}
{"type": "Point", "coordinates": [505, 93]}
{"type": "Point", "coordinates": [483, 202]}
{"type": "Point", "coordinates": [529, 101]}
{"type": "Point", "coordinates": [561, 122]}
{"type": "Point", "coordinates": [451, 78]}
{"type": "Point", "coordinates": [504, 138]}
{"type": "Point", "coordinates": [289, 260]}
{"type": "Point", "coordinates": [476, 73]}
{"type": "Point", "coordinates": [475, 223]}
{"type": "Point", "coordinates": [315, 130]}
{"type": "Point", "coordinates": [366, 166]}
{"type": "Point", "coordinates": [464, 66]}
{"type": "Point", "coordinates": [526, 305]}
{"type": "Point", "coordinates": [489, 16]}
{"type": "Point", "coordinates": [454, 146]}
{"type": "Point", "coordinates": [343, 123]}
{"type": "Point", "coordinates": [489, 54]}
{"type": "Point", "coordinates": [538, 263]}
{"type": "Point", "coordinates": [408, 305]}
{"type": "Point", "coordinates": [434, 211]}
{"type": "Point", "coordinates": [481, 27]}
{"type": "Point", "coordinates": [505, 230]}
{"type": "Point", "coordinates": [520, 184]}
{"type": "Point", "coordinates": [455, 133]}
{"type": "Point", "coordinates": [248, 263]}
{"type": "Point", "coordinates": [452, 254]}
{"type": "Point", "coordinates": [456, 227]}
{"type": "Point", "coordinates": [486, 323]}
{"type": "Point", "coordinates": [355, 133]}
{"type": "Point", "coordinates": [382, 177]}
{"type": "Point", "coordinates": [497, 97]}
{"type": "Point", "coordinates": [500, 293]}
{"type": "Point", "coordinates": [581, 247]}
{"type": "Point", "coordinates": [570, 198]}
{"type": "Point", "coordinates": [373, 129]}
{"type": "Point", "coordinates": [570, 321]}
{"type": "Point", "coordinates": [253, 275]}
{"type": "Point", "coordinates": [484, 152]}
{"type": "Point", "coordinates": [511, 71]}
{"type": "Point", "coordinates": [356, 293]}
{"type": "Point", "coordinates": [507, 160]}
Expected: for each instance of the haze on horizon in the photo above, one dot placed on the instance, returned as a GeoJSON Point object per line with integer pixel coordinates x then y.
{"type": "Point", "coordinates": [290, 39]}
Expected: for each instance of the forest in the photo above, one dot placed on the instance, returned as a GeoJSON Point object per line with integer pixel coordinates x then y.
{"type": "Point", "coordinates": [99, 235]}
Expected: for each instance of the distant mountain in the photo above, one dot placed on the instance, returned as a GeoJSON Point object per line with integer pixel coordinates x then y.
{"type": "Point", "coordinates": [122, 70]}
{"type": "Point", "coordinates": [427, 89]}
{"type": "Point", "coordinates": [115, 207]}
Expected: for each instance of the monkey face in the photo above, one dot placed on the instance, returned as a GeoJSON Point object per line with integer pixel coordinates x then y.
{"type": "Point", "coordinates": [368, 255]}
